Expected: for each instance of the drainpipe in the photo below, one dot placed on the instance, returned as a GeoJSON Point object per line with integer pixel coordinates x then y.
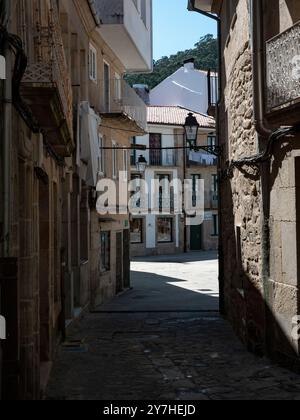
{"type": "Point", "coordinates": [193, 8]}
{"type": "Point", "coordinates": [258, 65]}
{"type": "Point", "coordinates": [264, 132]}
{"type": "Point", "coordinates": [6, 138]}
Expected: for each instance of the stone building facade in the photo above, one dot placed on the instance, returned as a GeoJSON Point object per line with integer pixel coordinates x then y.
{"type": "Point", "coordinates": [64, 124]}
{"type": "Point", "coordinates": [259, 178]}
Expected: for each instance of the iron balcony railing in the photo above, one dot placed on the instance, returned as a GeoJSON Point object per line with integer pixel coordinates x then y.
{"type": "Point", "coordinates": [163, 158]}
{"type": "Point", "coordinates": [115, 96]}
{"type": "Point", "coordinates": [47, 64]}
{"type": "Point", "coordinates": [283, 70]}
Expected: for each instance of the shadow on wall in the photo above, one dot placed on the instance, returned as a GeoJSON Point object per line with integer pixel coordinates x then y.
{"type": "Point", "coordinates": [248, 297]}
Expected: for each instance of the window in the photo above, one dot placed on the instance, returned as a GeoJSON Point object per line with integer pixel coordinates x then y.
{"type": "Point", "coordinates": [133, 152]}
{"type": "Point", "coordinates": [93, 63]}
{"type": "Point", "coordinates": [125, 160]}
{"type": "Point", "coordinates": [136, 182]}
{"type": "Point", "coordinates": [105, 251]}
{"type": "Point", "coordinates": [136, 231]}
{"type": "Point", "coordinates": [164, 230]}
{"type": "Point", "coordinates": [215, 186]}
{"type": "Point", "coordinates": [118, 88]}
{"type": "Point", "coordinates": [215, 231]}
{"type": "Point", "coordinates": [2, 68]}
{"type": "Point", "coordinates": [155, 149]}
{"type": "Point", "coordinates": [106, 87]}
{"type": "Point", "coordinates": [195, 179]}
{"type": "Point", "coordinates": [211, 140]}
{"type": "Point", "coordinates": [114, 160]}
{"type": "Point", "coordinates": [101, 156]}
{"type": "Point", "coordinates": [166, 193]}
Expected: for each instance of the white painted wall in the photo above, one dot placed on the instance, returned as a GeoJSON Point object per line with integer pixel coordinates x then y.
{"type": "Point", "coordinates": [187, 88]}
{"type": "Point", "coordinates": [128, 36]}
{"type": "Point", "coordinates": [140, 31]}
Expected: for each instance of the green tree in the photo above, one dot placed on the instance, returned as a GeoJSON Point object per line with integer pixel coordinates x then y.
{"type": "Point", "coordinates": [205, 53]}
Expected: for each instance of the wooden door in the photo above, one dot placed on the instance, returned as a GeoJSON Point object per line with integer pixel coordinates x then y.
{"type": "Point", "coordinates": [119, 262]}
{"type": "Point", "coordinates": [126, 258]}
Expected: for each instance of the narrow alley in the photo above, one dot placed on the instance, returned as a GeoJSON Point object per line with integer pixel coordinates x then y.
{"type": "Point", "coordinates": [164, 340]}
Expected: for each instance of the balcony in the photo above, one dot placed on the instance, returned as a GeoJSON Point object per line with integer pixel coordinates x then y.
{"type": "Point", "coordinates": [283, 76]}
{"type": "Point", "coordinates": [118, 103]}
{"type": "Point", "coordinates": [46, 85]}
{"type": "Point", "coordinates": [202, 159]}
{"type": "Point", "coordinates": [162, 158]}
{"type": "Point", "coordinates": [126, 26]}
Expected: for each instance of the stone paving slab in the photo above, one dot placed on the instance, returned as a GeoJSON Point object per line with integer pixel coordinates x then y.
{"type": "Point", "coordinates": [184, 358]}
{"type": "Point", "coordinates": [133, 354]}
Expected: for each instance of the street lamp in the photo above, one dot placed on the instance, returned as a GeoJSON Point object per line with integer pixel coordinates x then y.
{"type": "Point", "coordinates": [141, 164]}
{"type": "Point", "coordinates": [191, 128]}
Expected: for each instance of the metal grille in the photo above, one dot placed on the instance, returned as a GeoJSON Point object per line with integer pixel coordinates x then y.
{"type": "Point", "coordinates": [48, 64]}
{"type": "Point", "coordinates": [283, 69]}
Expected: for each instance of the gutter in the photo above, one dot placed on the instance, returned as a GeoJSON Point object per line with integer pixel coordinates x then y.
{"type": "Point", "coordinates": [92, 4]}
{"type": "Point", "coordinates": [258, 65]}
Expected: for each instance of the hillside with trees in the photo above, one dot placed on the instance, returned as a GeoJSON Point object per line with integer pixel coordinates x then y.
{"type": "Point", "coordinates": [205, 53]}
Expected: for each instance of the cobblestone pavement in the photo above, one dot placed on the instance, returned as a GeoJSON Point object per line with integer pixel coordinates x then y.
{"type": "Point", "coordinates": [152, 355]}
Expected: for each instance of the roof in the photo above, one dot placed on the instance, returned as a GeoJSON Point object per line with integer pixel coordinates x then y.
{"type": "Point", "coordinates": [175, 115]}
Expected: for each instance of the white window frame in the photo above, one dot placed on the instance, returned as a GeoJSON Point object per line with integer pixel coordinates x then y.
{"type": "Point", "coordinates": [118, 88]}
{"type": "Point", "coordinates": [101, 161]}
{"type": "Point", "coordinates": [2, 68]}
{"type": "Point", "coordinates": [114, 160]}
{"type": "Point", "coordinates": [106, 63]}
{"type": "Point", "coordinates": [93, 68]}
{"type": "Point", "coordinates": [125, 160]}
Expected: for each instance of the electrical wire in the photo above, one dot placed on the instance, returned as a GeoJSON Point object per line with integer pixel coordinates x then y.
{"type": "Point", "coordinates": [141, 135]}
{"type": "Point", "coordinates": [267, 154]}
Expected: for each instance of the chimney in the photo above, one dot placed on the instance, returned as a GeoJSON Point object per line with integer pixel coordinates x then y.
{"type": "Point", "coordinates": [189, 64]}
{"type": "Point", "coordinates": [143, 92]}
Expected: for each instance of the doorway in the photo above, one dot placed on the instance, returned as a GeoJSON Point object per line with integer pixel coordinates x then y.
{"type": "Point", "coordinates": [119, 262]}
{"type": "Point", "coordinates": [196, 238]}
{"type": "Point", "coordinates": [44, 272]}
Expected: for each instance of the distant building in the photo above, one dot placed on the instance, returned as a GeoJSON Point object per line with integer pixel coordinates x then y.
{"type": "Point", "coordinates": [165, 233]}
{"type": "Point", "coordinates": [189, 88]}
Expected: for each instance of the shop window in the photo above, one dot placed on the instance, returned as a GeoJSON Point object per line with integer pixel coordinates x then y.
{"type": "Point", "coordinates": [105, 251]}
{"type": "Point", "coordinates": [164, 230]}
{"type": "Point", "coordinates": [136, 231]}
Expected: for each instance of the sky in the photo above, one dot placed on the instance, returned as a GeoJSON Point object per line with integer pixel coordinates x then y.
{"type": "Point", "coordinates": [176, 29]}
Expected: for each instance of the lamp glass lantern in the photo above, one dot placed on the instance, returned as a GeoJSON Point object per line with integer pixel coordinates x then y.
{"type": "Point", "coordinates": [191, 128]}
{"type": "Point", "coordinates": [141, 164]}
